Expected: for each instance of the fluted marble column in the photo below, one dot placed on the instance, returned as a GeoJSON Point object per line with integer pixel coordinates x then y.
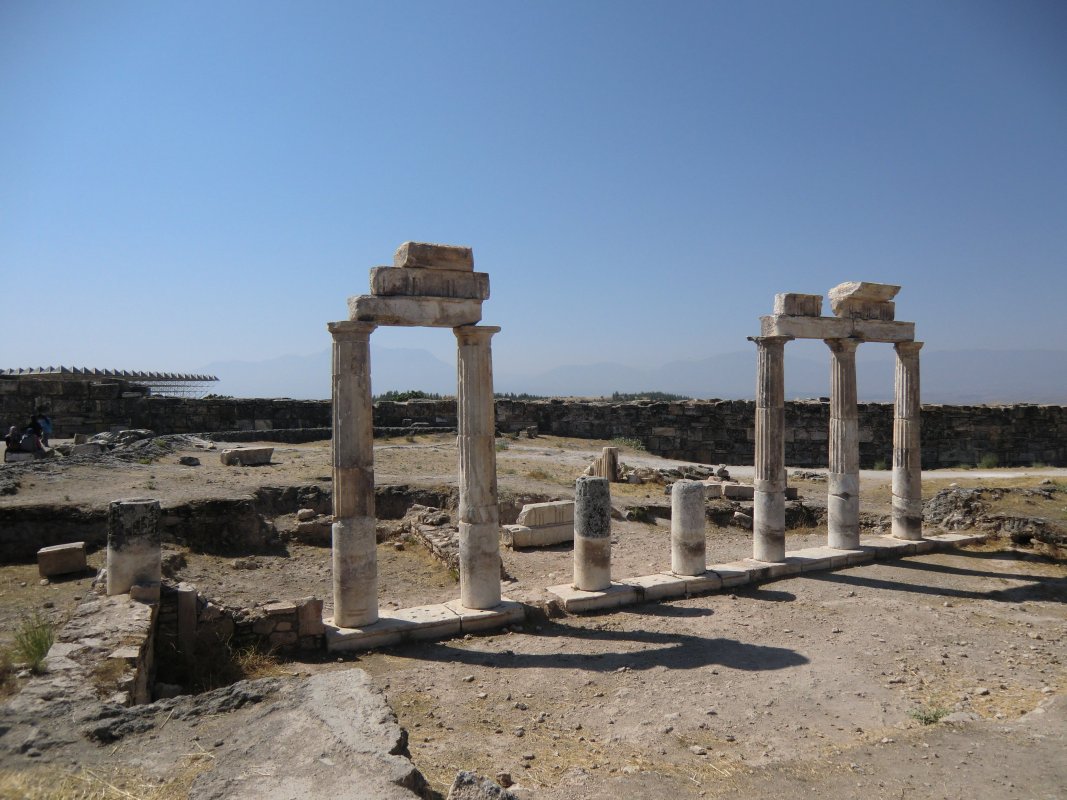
{"type": "Point", "coordinates": [907, 445]}
{"type": "Point", "coordinates": [355, 559]}
{"type": "Point", "coordinates": [843, 500]}
{"type": "Point", "coordinates": [768, 508]}
{"type": "Point", "coordinates": [479, 516]}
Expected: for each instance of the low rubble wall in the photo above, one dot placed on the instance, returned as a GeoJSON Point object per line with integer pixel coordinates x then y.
{"type": "Point", "coordinates": [706, 431]}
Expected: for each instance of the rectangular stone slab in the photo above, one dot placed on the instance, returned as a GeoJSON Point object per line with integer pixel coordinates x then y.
{"type": "Point", "coordinates": [407, 282]}
{"type": "Point", "coordinates": [61, 559]}
{"type": "Point", "coordinates": [863, 290]}
{"type": "Point", "coordinates": [425, 255]}
{"type": "Point", "coordinates": [246, 456]}
{"type": "Point", "coordinates": [430, 312]}
{"type": "Point", "coordinates": [869, 330]}
{"type": "Point", "coordinates": [555, 512]}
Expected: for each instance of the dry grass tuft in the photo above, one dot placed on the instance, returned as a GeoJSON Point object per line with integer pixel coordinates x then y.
{"type": "Point", "coordinates": [97, 784]}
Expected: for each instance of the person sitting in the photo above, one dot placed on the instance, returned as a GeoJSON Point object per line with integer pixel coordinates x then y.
{"type": "Point", "coordinates": [12, 439]}
{"type": "Point", "coordinates": [30, 441]}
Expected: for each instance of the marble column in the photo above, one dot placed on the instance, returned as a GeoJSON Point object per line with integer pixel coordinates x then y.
{"type": "Point", "coordinates": [134, 551]}
{"type": "Point", "coordinates": [592, 534]}
{"type": "Point", "coordinates": [687, 528]}
{"type": "Point", "coordinates": [907, 445]}
{"type": "Point", "coordinates": [768, 507]}
{"type": "Point", "coordinates": [355, 558]}
{"type": "Point", "coordinates": [843, 499]}
{"type": "Point", "coordinates": [479, 515]}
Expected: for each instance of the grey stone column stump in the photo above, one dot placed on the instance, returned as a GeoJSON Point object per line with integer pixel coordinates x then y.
{"type": "Point", "coordinates": [687, 528]}
{"type": "Point", "coordinates": [592, 534]}
{"type": "Point", "coordinates": [134, 555]}
{"type": "Point", "coordinates": [843, 493]}
{"type": "Point", "coordinates": [907, 445]}
{"type": "Point", "coordinates": [355, 558]}
{"type": "Point", "coordinates": [479, 514]}
{"type": "Point", "coordinates": [768, 507]}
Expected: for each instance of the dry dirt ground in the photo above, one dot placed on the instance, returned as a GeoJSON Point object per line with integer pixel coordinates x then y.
{"type": "Point", "coordinates": [826, 683]}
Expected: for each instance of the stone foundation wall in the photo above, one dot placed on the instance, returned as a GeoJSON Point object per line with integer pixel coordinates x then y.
{"type": "Point", "coordinates": [707, 431]}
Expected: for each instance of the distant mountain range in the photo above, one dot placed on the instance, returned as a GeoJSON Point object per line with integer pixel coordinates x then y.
{"type": "Point", "coordinates": [957, 377]}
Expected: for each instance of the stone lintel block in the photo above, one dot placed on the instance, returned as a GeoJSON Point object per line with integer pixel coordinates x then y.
{"type": "Point", "coordinates": [61, 559]}
{"type": "Point", "coordinates": [473, 620]}
{"type": "Point", "coordinates": [430, 312]}
{"type": "Point", "coordinates": [576, 601]}
{"type": "Point", "coordinates": [857, 557]}
{"type": "Point", "coordinates": [808, 561]}
{"type": "Point", "coordinates": [862, 290]}
{"type": "Point", "coordinates": [923, 546]}
{"type": "Point", "coordinates": [735, 573]}
{"type": "Point", "coordinates": [885, 547]}
{"type": "Point", "coordinates": [798, 305]}
{"type": "Point", "coordinates": [246, 456]}
{"type": "Point", "coordinates": [738, 491]}
{"type": "Point", "coordinates": [551, 513]}
{"type": "Point", "coordinates": [868, 330]}
{"type": "Point", "coordinates": [866, 309]}
{"type": "Point", "coordinates": [702, 584]}
{"type": "Point", "coordinates": [660, 586]}
{"type": "Point", "coordinates": [427, 255]}
{"type": "Point", "coordinates": [408, 282]}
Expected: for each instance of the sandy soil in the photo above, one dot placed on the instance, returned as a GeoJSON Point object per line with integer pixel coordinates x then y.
{"type": "Point", "coordinates": [815, 684]}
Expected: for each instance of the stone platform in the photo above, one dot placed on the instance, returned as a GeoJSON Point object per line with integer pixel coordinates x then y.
{"type": "Point", "coordinates": [440, 621]}
{"type": "Point", "coordinates": [666, 585]}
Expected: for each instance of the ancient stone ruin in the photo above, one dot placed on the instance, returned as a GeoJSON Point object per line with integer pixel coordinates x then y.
{"type": "Point", "coordinates": [863, 312]}
{"type": "Point", "coordinates": [429, 285]}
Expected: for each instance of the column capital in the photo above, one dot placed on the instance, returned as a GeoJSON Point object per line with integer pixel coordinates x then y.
{"type": "Point", "coordinates": [845, 345]}
{"type": "Point", "coordinates": [350, 330]}
{"type": "Point", "coordinates": [771, 341]}
{"type": "Point", "coordinates": [474, 334]}
{"type": "Point", "coordinates": [911, 348]}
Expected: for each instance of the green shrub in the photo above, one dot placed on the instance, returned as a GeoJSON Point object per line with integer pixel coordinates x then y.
{"type": "Point", "coordinates": [988, 461]}
{"type": "Point", "coordinates": [502, 444]}
{"type": "Point", "coordinates": [928, 716]}
{"type": "Point", "coordinates": [880, 464]}
{"type": "Point", "coordinates": [33, 639]}
{"type": "Point", "coordinates": [626, 442]}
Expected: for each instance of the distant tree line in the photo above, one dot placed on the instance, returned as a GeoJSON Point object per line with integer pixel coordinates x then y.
{"type": "Point", "coordinates": [410, 394]}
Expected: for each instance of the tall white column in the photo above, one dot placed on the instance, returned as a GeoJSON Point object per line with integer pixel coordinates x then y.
{"type": "Point", "coordinates": [687, 528]}
{"type": "Point", "coordinates": [479, 515]}
{"type": "Point", "coordinates": [592, 534]}
{"type": "Point", "coordinates": [768, 508]}
{"type": "Point", "coordinates": [355, 558]}
{"type": "Point", "coordinates": [907, 445]}
{"type": "Point", "coordinates": [843, 500]}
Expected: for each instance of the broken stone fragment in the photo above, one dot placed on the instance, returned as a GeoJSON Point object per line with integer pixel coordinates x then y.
{"type": "Point", "coordinates": [861, 290]}
{"type": "Point", "coordinates": [425, 255]}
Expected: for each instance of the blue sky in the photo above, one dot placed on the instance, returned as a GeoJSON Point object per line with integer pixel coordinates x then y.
{"type": "Point", "coordinates": [183, 183]}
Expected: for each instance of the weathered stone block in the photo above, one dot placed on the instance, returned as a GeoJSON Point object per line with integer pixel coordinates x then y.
{"type": "Point", "coordinates": [431, 312]}
{"type": "Point", "coordinates": [426, 255]}
{"type": "Point", "coordinates": [409, 282]}
{"type": "Point", "coordinates": [798, 305]}
{"type": "Point", "coordinates": [309, 617]}
{"type": "Point", "coordinates": [246, 456]}
{"type": "Point", "coordinates": [61, 559]}
{"type": "Point", "coordinates": [552, 513]}
{"type": "Point", "coordinates": [862, 290]}
{"type": "Point", "coordinates": [866, 309]}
